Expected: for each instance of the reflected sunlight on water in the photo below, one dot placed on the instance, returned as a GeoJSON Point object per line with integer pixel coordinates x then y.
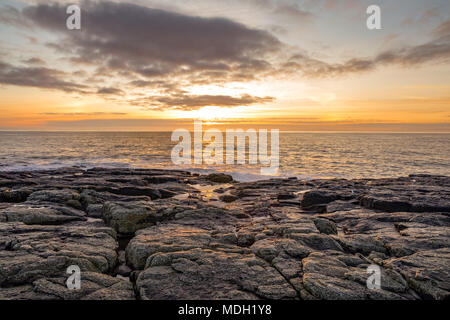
{"type": "Point", "coordinates": [306, 155]}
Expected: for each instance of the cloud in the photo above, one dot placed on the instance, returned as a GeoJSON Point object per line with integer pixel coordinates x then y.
{"type": "Point", "coordinates": [110, 91]}
{"type": "Point", "coordinates": [191, 102]}
{"type": "Point", "coordinates": [437, 50]}
{"type": "Point", "coordinates": [34, 61]}
{"type": "Point", "coordinates": [37, 77]}
{"type": "Point", "coordinates": [166, 53]}
{"type": "Point", "coordinates": [83, 113]}
{"type": "Point", "coordinates": [12, 16]}
{"type": "Point", "coordinates": [155, 43]}
{"type": "Point", "coordinates": [443, 30]}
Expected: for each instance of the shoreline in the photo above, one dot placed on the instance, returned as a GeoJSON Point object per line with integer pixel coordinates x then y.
{"type": "Point", "coordinates": [246, 176]}
{"type": "Point", "coordinates": [170, 234]}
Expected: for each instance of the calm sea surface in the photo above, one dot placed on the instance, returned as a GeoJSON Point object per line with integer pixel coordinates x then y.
{"type": "Point", "coordinates": [305, 155]}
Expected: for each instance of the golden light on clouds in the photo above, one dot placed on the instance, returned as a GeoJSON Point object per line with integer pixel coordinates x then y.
{"type": "Point", "coordinates": [230, 68]}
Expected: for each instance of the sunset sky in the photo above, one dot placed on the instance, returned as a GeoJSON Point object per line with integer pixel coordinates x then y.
{"type": "Point", "coordinates": [288, 64]}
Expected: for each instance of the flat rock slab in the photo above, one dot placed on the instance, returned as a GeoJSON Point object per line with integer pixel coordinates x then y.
{"type": "Point", "coordinates": [93, 286]}
{"type": "Point", "coordinates": [427, 272]}
{"type": "Point", "coordinates": [28, 253]}
{"type": "Point", "coordinates": [207, 274]}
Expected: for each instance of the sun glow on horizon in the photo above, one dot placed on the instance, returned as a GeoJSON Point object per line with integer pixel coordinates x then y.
{"type": "Point", "coordinates": [209, 113]}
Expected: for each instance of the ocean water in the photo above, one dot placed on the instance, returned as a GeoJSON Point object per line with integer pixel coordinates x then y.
{"type": "Point", "coordinates": [305, 155]}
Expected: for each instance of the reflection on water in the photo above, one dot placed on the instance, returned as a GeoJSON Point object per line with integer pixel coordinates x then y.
{"type": "Point", "coordinates": [306, 155]}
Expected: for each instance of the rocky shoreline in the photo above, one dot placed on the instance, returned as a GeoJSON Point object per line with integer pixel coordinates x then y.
{"type": "Point", "coordinates": [160, 234]}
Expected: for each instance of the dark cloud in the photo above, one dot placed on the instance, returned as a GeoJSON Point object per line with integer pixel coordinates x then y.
{"type": "Point", "coordinates": [198, 101]}
{"type": "Point", "coordinates": [38, 77]}
{"type": "Point", "coordinates": [110, 91]}
{"type": "Point", "coordinates": [191, 102]}
{"type": "Point", "coordinates": [155, 43]}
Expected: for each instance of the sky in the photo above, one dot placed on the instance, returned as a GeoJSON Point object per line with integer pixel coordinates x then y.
{"type": "Point", "coordinates": [158, 65]}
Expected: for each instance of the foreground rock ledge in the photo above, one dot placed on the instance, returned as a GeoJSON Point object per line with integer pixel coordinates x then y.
{"type": "Point", "coordinates": [160, 234]}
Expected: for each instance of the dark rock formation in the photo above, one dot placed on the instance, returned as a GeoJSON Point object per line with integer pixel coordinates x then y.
{"type": "Point", "coordinates": [159, 234]}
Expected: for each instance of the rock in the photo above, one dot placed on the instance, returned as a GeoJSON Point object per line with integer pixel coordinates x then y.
{"type": "Point", "coordinates": [427, 272]}
{"type": "Point", "coordinates": [286, 196]}
{"type": "Point", "coordinates": [131, 191]}
{"type": "Point", "coordinates": [361, 243]}
{"type": "Point", "coordinates": [94, 286]}
{"type": "Point", "coordinates": [14, 196]}
{"type": "Point", "coordinates": [128, 217]}
{"type": "Point", "coordinates": [164, 238]}
{"type": "Point", "coordinates": [28, 253]}
{"type": "Point", "coordinates": [317, 241]}
{"type": "Point", "coordinates": [411, 197]}
{"type": "Point", "coordinates": [338, 276]}
{"type": "Point", "coordinates": [245, 239]}
{"type": "Point", "coordinates": [198, 274]}
{"type": "Point", "coordinates": [228, 198]}
{"type": "Point", "coordinates": [325, 226]}
{"type": "Point", "coordinates": [269, 249]}
{"type": "Point", "coordinates": [175, 243]}
{"type": "Point", "coordinates": [40, 214]}
{"type": "Point", "coordinates": [123, 270]}
{"type": "Point", "coordinates": [316, 197]}
{"type": "Point", "coordinates": [95, 210]}
{"type": "Point", "coordinates": [66, 196]}
{"type": "Point", "coordinates": [340, 205]}
{"type": "Point", "coordinates": [219, 178]}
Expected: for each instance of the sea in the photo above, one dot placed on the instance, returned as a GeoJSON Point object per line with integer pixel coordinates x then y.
{"type": "Point", "coordinates": [306, 155]}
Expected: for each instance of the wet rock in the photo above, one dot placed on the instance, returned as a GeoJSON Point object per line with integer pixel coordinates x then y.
{"type": "Point", "coordinates": [131, 191]}
{"type": "Point", "coordinates": [286, 196]}
{"type": "Point", "coordinates": [219, 178]}
{"type": "Point", "coordinates": [228, 198]}
{"type": "Point", "coordinates": [14, 196]}
{"type": "Point", "coordinates": [409, 198]}
{"type": "Point", "coordinates": [316, 197]}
